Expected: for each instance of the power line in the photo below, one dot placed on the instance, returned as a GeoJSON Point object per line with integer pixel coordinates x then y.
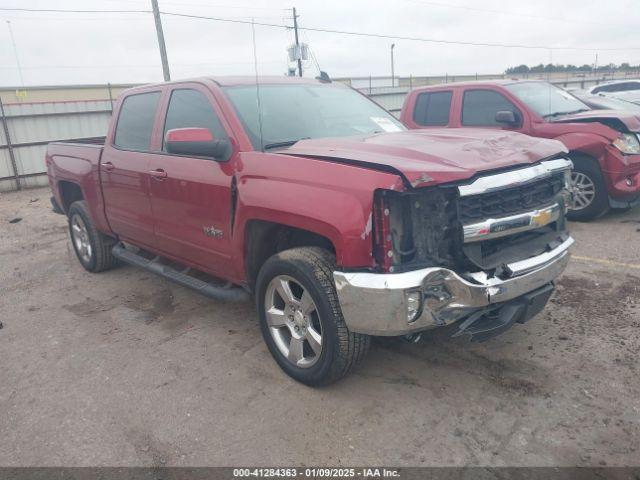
{"type": "Point", "coordinates": [506, 12]}
{"type": "Point", "coordinates": [213, 5]}
{"type": "Point", "coordinates": [75, 18]}
{"type": "Point", "coordinates": [101, 66]}
{"type": "Point", "coordinates": [335, 31]}
{"type": "Point", "coordinates": [398, 37]}
{"type": "Point", "coordinates": [313, 57]}
{"type": "Point", "coordinates": [242, 7]}
{"type": "Point", "coordinates": [61, 10]}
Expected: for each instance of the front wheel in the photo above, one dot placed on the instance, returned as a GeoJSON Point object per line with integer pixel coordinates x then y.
{"type": "Point", "coordinates": [590, 198]}
{"type": "Point", "coordinates": [301, 320]}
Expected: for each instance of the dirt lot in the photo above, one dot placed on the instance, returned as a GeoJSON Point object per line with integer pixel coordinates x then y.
{"type": "Point", "coordinates": [123, 368]}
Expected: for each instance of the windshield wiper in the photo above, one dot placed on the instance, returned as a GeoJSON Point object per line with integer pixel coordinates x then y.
{"type": "Point", "coordinates": [580, 110]}
{"type": "Point", "coordinates": [286, 143]}
{"type": "Point", "coordinates": [557, 114]}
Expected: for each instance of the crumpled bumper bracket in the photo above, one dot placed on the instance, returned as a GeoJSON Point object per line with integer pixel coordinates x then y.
{"type": "Point", "coordinates": [486, 324]}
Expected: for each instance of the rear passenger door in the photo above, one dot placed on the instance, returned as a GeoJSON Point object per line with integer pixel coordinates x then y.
{"type": "Point", "coordinates": [433, 109]}
{"type": "Point", "coordinates": [479, 108]}
{"type": "Point", "coordinates": [124, 168]}
{"type": "Point", "coordinates": [191, 202]}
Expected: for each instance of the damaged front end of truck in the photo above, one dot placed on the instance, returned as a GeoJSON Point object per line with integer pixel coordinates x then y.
{"type": "Point", "coordinates": [482, 252]}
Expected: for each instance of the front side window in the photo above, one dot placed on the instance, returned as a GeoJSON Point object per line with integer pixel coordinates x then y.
{"type": "Point", "coordinates": [479, 108]}
{"type": "Point", "coordinates": [135, 121]}
{"type": "Point", "coordinates": [291, 112]}
{"type": "Point", "coordinates": [432, 109]}
{"type": "Point", "coordinates": [190, 108]}
{"type": "Point", "coordinates": [546, 99]}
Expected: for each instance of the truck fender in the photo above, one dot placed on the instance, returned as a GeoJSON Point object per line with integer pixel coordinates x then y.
{"type": "Point", "coordinates": [586, 143]}
{"type": "Point", "coordinates": [84, 174]}
{"type": "Point", "coordinates": [341, 217]}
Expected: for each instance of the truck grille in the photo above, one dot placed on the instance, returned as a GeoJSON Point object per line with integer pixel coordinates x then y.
{"type": "Point", "coordinates": [510, 200]}
{"type": "Point", "coordinates": [426, 226]}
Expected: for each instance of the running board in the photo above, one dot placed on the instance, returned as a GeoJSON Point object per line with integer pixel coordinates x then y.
{"type": "Point", "coordinates": [233, 294]}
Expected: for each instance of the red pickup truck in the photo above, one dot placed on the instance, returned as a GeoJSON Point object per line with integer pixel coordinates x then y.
{"type": "Point", "coordinates": [341, 222]}
{"type": "Point", "coordinates": [604, 145]}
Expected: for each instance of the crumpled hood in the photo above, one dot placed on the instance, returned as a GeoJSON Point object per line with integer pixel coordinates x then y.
{"type": "Point", "coordinates": [426, 157]}
{"type": "Point", "coordinates": [616, 119]}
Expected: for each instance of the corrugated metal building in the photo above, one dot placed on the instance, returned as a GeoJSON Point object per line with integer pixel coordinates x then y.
{"type": "Point", "coordinates": [33, 117]}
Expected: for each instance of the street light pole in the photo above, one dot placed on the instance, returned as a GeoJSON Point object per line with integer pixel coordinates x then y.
{"type": "Point", "coordinates": [392, 66]}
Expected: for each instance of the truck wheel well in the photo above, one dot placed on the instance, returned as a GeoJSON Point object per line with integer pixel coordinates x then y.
{"type": "Point", "coordinates": [578, 156]}
{"type": "Point", "coordinates": [69, 192]}
{"type": "Point", "coordinates": [264, 239]}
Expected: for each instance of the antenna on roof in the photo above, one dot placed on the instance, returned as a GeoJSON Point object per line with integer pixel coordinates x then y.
{"type": "Point", "coordinates": [323, 77]}
{"type": "Point", "coordinates": [255, 65]}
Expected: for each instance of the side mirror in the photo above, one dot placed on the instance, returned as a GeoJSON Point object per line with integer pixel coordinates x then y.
{"type": "Point", "coordinates": [197, 142]}
{"type": "Point", "coordinates": [508, 117]}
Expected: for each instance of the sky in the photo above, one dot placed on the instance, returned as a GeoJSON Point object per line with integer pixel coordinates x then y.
{"type": "Point", "coordinates": [96, 48]}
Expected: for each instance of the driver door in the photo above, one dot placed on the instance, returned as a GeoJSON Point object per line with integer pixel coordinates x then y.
{"type": "Point", "coordinates": [191, 196]}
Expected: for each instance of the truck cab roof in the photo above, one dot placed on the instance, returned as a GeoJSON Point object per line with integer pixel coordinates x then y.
{"type": "Point", "coordinates": [235, 80]}
{"type": "Point", "coordinates": [478, 83]}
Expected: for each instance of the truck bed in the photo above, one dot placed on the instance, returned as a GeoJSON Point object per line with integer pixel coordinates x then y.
{"type": "Point", "coordinates": [76, 164]}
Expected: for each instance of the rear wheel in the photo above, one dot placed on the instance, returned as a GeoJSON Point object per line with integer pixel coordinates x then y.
{"type": "Point", "coordinates": [92, 248]}
{"type": "Point", "coordinates": [301, 320]}
{"type": "Point", "coordinates": [590, 198]}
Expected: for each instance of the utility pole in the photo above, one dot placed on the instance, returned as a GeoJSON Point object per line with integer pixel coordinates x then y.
{"type": "Point", "coordinates": [392, 67]}
{"type": "Point", "coordinates": [15, 52]}
{"type": "Point", "coordinates": [298, 51]}
{"type": "Point", "coordinates": [163, 48]}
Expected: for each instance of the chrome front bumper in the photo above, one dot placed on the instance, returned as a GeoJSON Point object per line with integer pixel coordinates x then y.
{"type": "Point", "coordinates": [377, 304]}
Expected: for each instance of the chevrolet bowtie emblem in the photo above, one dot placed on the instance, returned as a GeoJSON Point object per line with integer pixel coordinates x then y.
{"type": "Point", "coordinates": [541, 218]}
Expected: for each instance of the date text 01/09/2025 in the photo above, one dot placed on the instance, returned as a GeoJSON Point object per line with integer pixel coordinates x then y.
{"type": "Point", "coordinates": [316, 473]}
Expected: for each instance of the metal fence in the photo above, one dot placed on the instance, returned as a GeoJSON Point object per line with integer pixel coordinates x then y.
{"type": "Point", "coordinates": [26, 128]}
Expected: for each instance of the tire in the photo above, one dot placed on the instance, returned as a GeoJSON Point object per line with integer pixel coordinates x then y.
{"type": "Point", "coordinates": [308, 272]}
{"type": "Point", "coordinates": [92, 248]}
{"type": "Point", "coordinates": [591, 199]}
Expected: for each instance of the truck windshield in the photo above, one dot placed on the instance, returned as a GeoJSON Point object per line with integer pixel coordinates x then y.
{"type": "Point", "coordinates": [295, 112]}
{"type": "Point", "coordinates": [546, 99]}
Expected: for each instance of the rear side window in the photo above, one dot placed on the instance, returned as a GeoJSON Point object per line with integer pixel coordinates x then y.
{"type": "Point", "coordinates": [479, 107]}
{"type": "Point", "coordinates": [135, 121]}
{"type": "Point", "coordinates": [190, 108]}
{"type": "Point", "coordinates": [432, 108]}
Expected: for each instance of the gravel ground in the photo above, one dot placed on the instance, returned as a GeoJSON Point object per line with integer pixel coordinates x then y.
{"type": "Point", "coordinates": [124, 368]}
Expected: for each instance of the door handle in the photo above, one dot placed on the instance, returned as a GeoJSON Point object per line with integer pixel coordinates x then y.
{"type": "Point", "coordinates": [158, 174]}
{"type": "Point", "coordinates": [108, 166]}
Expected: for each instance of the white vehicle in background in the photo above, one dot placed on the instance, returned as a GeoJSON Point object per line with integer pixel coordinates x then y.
{"type": "Point", "coordinates": [628, 90]}
{"type": "Point", "coordinates": [603, 102]}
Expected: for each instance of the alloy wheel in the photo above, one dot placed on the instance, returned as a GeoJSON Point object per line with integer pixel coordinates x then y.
{"type": "Point", "coordinates": [80, 238]}
{"type": "Point", "coordinates": [583, 190]}
{"type": "Point", "coordinates": [293, 321]}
